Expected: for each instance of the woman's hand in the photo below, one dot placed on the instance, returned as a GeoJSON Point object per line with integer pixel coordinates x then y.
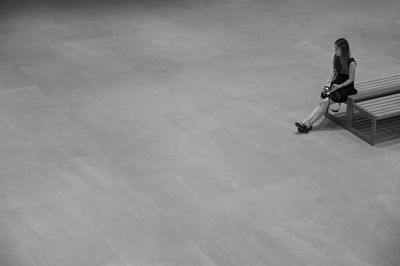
{"type": "Point", "coordinates": [335, 87]}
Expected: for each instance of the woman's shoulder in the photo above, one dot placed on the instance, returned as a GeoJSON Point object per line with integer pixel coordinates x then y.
{"type": "Point", "coordinates": [351, 60]}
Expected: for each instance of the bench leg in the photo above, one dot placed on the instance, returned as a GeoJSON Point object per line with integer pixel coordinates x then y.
{"type": "Point", "coordinates": [349, 114]}
{"type": "Point", "coordinates": [373, 130]}
{"type": "Point", "coordinates": [334, 119]}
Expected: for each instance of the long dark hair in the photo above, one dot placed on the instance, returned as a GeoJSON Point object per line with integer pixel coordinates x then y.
{"type": "Point", "coordinates": [340, 63]}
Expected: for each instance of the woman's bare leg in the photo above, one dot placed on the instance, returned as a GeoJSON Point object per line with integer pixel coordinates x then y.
{"type": "Point", "coordinates": [311, 115]}
{"type": "Point", "coordinates": [316, 114]}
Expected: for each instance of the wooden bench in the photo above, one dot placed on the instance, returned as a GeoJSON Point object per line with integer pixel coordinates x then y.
{"type": "Point", "coordinates": [376, 100]}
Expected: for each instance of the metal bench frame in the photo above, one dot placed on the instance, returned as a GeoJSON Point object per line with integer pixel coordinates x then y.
{"type": "Point", "coordinates": [366, 90]}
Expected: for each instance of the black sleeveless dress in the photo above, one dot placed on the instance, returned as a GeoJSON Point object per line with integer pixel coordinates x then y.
{"type": "Point", "coordinates": [342, 93]}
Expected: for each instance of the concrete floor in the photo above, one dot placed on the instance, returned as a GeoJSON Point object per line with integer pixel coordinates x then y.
{"type": "Point", "coordinates": [161, 133]}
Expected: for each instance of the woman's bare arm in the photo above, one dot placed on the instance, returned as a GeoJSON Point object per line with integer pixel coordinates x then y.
{"type": "Point", "coordinates": [332, 76]}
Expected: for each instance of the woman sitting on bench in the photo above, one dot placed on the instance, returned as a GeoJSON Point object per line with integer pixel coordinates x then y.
{"type": "Point", "coordinates": [341, 85]}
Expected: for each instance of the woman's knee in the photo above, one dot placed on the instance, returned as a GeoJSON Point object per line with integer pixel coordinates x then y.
{"type": "Point", "coordinates": [324, 102]}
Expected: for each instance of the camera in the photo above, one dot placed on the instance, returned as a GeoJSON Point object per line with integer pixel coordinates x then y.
{"type": "Point", "coordinates": [326, 92]}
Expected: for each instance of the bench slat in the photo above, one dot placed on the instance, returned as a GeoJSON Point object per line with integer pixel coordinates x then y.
{"type": "Point", "coordinates": [388, 114]}
{"type": "Point", "coordinates": [391, 110]}
{"type": "Point", "coordinates": [377, 88]}
{"type": "Point", "coordinates": [380, 103]}
{"type": "Point", "coordinates": [365, 89]}
{"type": "Point", "coordinates": [378, 81]}
{"type": "Point", "coordinates": [385, 110]}
{"type": "Point", "coordinates": [388, 96]}
{"type": "Point", "coordinates": [384, 106]}
{"type": "Point", "coordinates": [380, 100]}
{"type": "Point", "coordinates": [378, 84]}
{"type": "Point", "coordinates": [362, 96]}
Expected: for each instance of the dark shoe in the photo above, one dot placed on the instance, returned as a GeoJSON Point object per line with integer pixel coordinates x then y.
{"type": "Point", "coordinates": [302, 128]}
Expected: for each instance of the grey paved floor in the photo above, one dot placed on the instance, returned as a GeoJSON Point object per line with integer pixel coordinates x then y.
{"type": "Point", "coordinates": [161, 133]}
